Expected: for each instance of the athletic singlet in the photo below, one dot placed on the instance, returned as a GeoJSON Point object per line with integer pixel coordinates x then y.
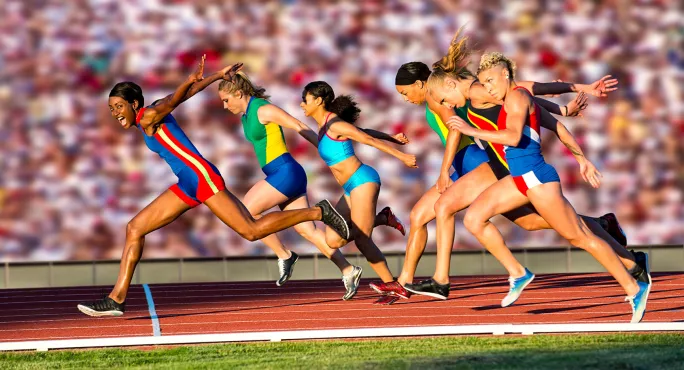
{"type": "Point", "coordinates": [174, 147]}
{"type": "Point", "coordinates": [267, 139]}
{"type": "Point", "coordinates": [333, 151]}
{"type": "Point", "coordinates": [487, 119]}
{"type": "Point", "coordinates": [530, 142]}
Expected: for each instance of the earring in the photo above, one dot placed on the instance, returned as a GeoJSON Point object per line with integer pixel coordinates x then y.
{"type": "Point", "coordinates": [507, 77]}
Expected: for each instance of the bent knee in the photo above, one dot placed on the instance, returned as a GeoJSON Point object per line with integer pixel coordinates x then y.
{"type": "Point", "coordinates": [474, 221]}
{"type": "Point", "coordinates": [443, 208]}
{"type": "Point", "coordinates": [249, 233]}
{"type": "Point", "coordinates": [134, 229]}
{"type": "Point", "coordinates": [419, 217]}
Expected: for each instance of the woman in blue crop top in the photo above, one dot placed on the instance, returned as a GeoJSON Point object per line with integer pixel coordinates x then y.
{"type": "Point", "coordinates": [361, 183]}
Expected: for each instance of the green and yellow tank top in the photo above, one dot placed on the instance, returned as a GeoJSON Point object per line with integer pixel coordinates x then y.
{"type": "Point", "coordinates": [267, 139]}
{"type": "Point", "coordinates": [442, 130]}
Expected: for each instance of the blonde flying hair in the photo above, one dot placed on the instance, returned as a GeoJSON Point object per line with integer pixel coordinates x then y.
{"type": "Point", "coordinates": [454, 64]}
{"type": "Point", "coordinates": [241, 82]}
{"type": "Point", "coordinates": [491, 60]}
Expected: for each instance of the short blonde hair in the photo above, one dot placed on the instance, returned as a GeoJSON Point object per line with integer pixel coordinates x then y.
{"type": "Point", "coordinates": [491, 60]}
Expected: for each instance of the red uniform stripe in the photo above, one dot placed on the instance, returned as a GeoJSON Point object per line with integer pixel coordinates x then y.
{"type": "Point", "coordinates": [521, 184]}
{"type": "Point", "coordinates": [189, 201]}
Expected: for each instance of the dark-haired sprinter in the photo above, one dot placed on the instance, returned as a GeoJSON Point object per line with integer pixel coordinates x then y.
{"type": "Point", "coordinates": [198, 182]}
{"type": "Point", "coordinates": [335, 117]}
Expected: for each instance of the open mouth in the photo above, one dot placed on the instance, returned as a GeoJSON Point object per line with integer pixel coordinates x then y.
{"type": "Point", "coordinates": [122, 121]}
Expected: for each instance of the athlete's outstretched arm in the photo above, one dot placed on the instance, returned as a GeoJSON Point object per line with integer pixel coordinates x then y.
{"type": "Point", "coordinates": [400, 138]}
{"type": "Point", "coordinates": [574, 108]}
{"type": "Point", "coordinates": [599, 88]}
{"type": "Point", "coordinates": [273, 114]}
{"type": "Point", "coordinates": [587, 169]}
{"type": "Point", "coordinates": [227, 73]}
{"type": "Point", "coordinates": [517, 105]}
{"type": "Point", "coordinates": [156, 113]}
{"type": "Point", "coordinates": [351, 132]}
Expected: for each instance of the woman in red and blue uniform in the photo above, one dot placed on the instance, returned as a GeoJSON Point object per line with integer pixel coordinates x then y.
{"type": "Point", "coordinates": [198, 182]}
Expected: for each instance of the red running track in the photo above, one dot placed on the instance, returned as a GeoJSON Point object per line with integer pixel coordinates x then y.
{"type": "Point", "coordinates": [209, 308]}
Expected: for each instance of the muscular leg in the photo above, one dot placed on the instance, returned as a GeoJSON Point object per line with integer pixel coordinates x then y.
{"type": "Point", "coordinates": [422, 213]}
{"type": "Point", "coordinates": [549, 201]}
{"type": "Point", "coordinates": [316, 236]}
{"type": "Point", "coordinates": [363, 202]}
{"type": "Point", "coordinates": [529, 219]}
{"type": "Point", "coordinates": [456, 198]}
{"type": "Point", "coordinates": [499, 198]}
{"type": "Point", "coordinates": [161, 212]}
{"type": "Point", "coordinates": [233, 213]}
{"type": "Point", "coordinates": [261, 197]}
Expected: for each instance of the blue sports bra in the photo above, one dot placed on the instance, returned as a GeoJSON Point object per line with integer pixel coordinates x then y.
{"type": "Point", "coordinates": [331, 150]}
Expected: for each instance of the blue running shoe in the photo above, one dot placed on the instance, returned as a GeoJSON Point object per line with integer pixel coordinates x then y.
{"type": "Point", "coordinates": [638, 302]}
{"type": "Point", "coordinates": [516, 289]}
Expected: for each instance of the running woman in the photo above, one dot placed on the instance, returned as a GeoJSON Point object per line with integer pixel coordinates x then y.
{"type": "Point", "coordinates": [411, 83]}
{"type": "Point", "coordinates": [335, 117]}
{"type": "Point", "coordinates": [198, 182]}
{"type": "Point", "coordinates": [452, 85]}
{"type": "Point", "coordinates": [533, 181]}
{"type": "Point", "coordinates": [285, 182]}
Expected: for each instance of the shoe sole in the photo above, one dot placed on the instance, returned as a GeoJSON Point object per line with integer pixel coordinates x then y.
{"type": "Point", "coordinates": [648, 291]}
{"type": "Point", "coordinates": [344, 222]}
{"type": "Point", "coordinates": [388, 293]}
{"type": "Point", "coordinates": [433, 295]}
{"type": "Point", "coordinates": [278, 283]}
{"type": "Point", "coordinates": [386, 300]}
{"type": "Point", "coordinates": [521, 290]}
{"type": "Point", "coordinates": [90, 312]}
{"type": "Point", "coordinates": [356, 283]}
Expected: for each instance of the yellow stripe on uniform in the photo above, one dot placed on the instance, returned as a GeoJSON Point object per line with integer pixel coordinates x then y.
{"type": "Point", "coordinates": [275, 145]}
{"type": "Point", "coordinates": [465, 140]}
{"type": "Point", "coordinates": [503, 161]}
{"type": "Point", "coordinates": [190, 159]}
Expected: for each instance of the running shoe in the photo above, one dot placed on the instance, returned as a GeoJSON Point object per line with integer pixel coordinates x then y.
{"type": "Point", "coordinates": [286, 267]}
{"type": "Point", "coordinates": [612, 226]}
{"type": "Point", "coordinates": [516, 288]}
{"type": "Point", "coordinates": [391, 288]}
{"type": "Point", "coordinates": [430, 288]}
{"type": "Point", "coordinates": [351, 282]}
{"type": "Point", "coordinates": [392, 220]}
{"type": "Point", "coordinates": [102, 308]}
{"type": "Point", "coordinates": [643, 273]}
{"type": "Point", "coordinates": [638, 302]}
{"type": "Point", "coordinates": [332, 218]}
{"type": "Point", "coordinates": [386, 300]}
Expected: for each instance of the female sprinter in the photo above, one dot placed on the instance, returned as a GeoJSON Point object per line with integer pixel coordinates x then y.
{"type": "Point", "coordinates": [411, 83]}
{"type": "Point", "coordinates": [533, 181]}
{"type": "Point", "coordinates": [335, 117]}
{"type": "Point", "coordinates": [451, 84]}
{"type": "Point", "coordinates": [199, 182]}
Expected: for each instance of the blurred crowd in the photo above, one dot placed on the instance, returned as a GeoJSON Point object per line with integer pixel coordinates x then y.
{"type": "Point", "coordinates": [71, 178]}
